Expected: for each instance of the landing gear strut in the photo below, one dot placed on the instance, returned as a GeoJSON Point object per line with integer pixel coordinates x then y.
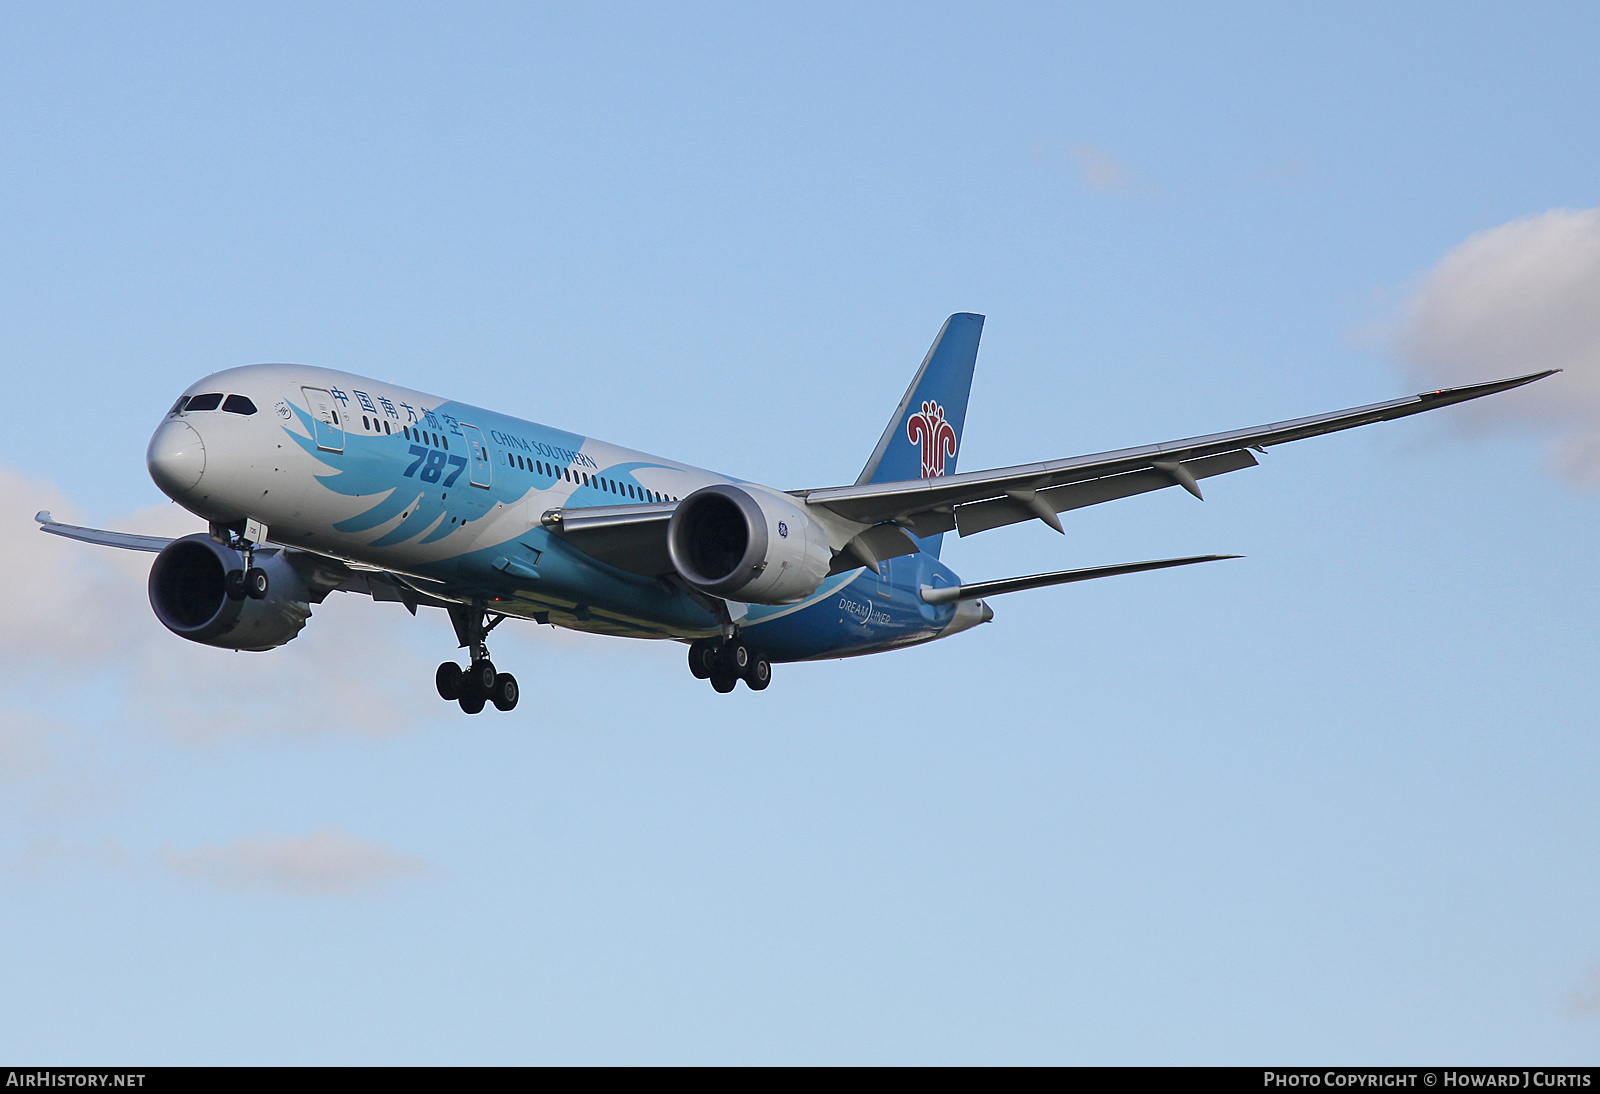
{"type": "Point", "coordinates": [251, 580]}
{"type": "Point", "coordinates": [727, 661]}
{"type": "Point", "coordinates": [479, 683]}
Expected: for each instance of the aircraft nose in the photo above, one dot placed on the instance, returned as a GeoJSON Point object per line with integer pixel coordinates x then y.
{"type": "Point", "coordinates": [176, 458]}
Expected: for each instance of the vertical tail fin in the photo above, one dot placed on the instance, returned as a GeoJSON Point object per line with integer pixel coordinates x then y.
{"type": "Point", "coordinates": [924, 436]}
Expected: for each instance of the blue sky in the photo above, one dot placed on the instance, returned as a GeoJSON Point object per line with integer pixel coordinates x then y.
{"type": "Point", "coordinates": [1333, 801]}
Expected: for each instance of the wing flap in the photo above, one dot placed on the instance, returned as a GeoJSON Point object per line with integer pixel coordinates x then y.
{"type": "Point", "coordinates": [983, 515]}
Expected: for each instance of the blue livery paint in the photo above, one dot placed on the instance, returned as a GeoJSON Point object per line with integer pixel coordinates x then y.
{"type": "Point", "coordinates": [851, 614]}
{"type": "Point", "coordinates": [456, 501]}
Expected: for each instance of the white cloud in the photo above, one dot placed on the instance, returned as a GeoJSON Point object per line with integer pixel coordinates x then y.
{"type": "Point", "coordinates": [326, 863]}
{"type": "Point", "coordinates": [1097, 169]}
{"type": "Point", "coordinates": [23, 743]}
{"type": "Point", "coordinates": [1101, 171]}
{"type": "Point", "coordinates": [1584, 1000]}
{"type": "Point", "coordinates": [45, 595]}
{"type": "Point", "coordinates": [107, 853]}
{"type": "Point", "coordinates": [48, 768]}
{"type": "Point", "coordinates": [76, 611]}
{"type": "Point", "coordinates": [1518, 298]}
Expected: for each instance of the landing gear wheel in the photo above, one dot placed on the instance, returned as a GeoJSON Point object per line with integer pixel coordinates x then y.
{"type": "Point", "coordinates": [480, 683]}
{"type": "Point", "coordinates": [479, 680]}
{"type": "Point", "coordinates": [701, 655]}
{"type": "Point", "coordinates": [448, 680]}
{"type": "Point", "coordinates": [758, 675]}
{"type": "Point", "coordinates": [506, 691]}
{"type": "Point", "coordinates": [233, 584]}
{"type": "Point", "coordinates": [737, 657]}
{"type": "Point", "coordinates": [256, 583]}
{"type": "Point", "coordinates": [724, 683]}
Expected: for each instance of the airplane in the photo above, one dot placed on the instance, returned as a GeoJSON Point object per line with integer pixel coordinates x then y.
{"type": "Point", "coordinates": [314, 481]}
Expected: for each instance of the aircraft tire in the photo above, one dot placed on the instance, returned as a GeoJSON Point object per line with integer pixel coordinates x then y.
{"type": "Point", "coordinates": [233, 584]}
{"type": "Point", "coordinates": [256, 583]}
{"type": "Point", "coordinates": [479, 680]}
{"type": "Point", "coordinates": [758, 675]}
{"type": "Point", "coordinates": [471, 704]}
{"type": "Point", "coordinates": [506, 692]}
{"type": "Point", "coordinates": [700, 660]}
{"type": "Point", "coordinates": [738, 656]}
{"type": "Point", "coordinates": [724, 683]}
{"type": "Point", "coordinates": [448, 680]}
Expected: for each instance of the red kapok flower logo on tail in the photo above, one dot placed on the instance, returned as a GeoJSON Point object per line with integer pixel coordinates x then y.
{"type": "Point", "coordinates": [936, 436]}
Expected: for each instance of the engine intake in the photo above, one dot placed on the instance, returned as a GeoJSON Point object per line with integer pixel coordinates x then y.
{"type": "Point", "coordinates": [188, 591]}
{"type": "Point", "coordinates": [747, 546]}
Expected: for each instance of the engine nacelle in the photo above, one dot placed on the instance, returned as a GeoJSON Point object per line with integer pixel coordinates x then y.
{"type": "Point", "coordinates": [747, 545]}
{"type": "Point", "coordinates": [189, 594]}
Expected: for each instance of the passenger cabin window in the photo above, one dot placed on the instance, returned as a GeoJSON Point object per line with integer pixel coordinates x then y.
{"type": "Point", "coordinates": [205, 402]}
{"type": "Point", "coordinates": [238, 404]}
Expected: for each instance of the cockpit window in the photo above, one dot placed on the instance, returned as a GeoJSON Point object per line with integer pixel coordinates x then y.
{"type": "Point", "coordinates": [238, 404]}
{"type": "Point", "coordinates": [177, 406]}
{"type": "Point", "coordinates": [204, 402]}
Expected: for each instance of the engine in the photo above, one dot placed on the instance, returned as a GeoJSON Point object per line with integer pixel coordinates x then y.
{"type": "Point", "coordinates": [747, 546]}
{"type": "Point", "coordinates": [188, 591]}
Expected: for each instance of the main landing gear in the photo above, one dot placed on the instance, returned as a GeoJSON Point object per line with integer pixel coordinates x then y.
{"type": "Point", "coordinates": [726, 662]}
{"type": "Point", "coordinates": [479, 683]}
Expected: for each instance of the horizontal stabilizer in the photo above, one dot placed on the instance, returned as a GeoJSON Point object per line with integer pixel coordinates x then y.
{"type": "Point", "coordinates": [1039, 581]}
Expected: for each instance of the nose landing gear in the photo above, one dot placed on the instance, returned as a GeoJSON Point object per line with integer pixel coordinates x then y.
{"type": "Point", "coordinates": [479, 683]}
{"type": "Point", "coordinates": [251, 580]}
{"type": "Point", "coordinates": [725, 663]}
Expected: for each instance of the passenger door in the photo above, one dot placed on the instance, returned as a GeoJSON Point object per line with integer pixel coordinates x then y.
{"type": "Point", "coordinates": [325, 417]}
{"type": "Point", "coordinates": [482, 466]}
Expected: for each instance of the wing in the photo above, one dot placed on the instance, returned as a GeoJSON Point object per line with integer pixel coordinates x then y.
{"type": "Point", "coordinates": [126, 540]}
{"type": "Point", "coordinates": [322, 574]}
{"type": "Point", "coordinates": [980, 500]}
